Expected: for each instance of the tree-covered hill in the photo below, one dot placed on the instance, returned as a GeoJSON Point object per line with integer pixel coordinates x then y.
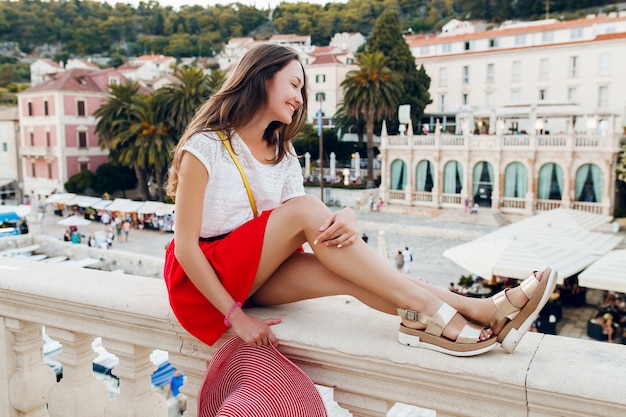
{"type": "Point", "coordinates": [90, 27]}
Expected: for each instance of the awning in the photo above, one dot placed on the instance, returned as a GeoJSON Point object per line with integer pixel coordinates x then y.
{"type": "Point", "coordinates": [560, 239]}
{"type": "Point", "coordinates": [84, 201]}
{"type": "Point", "coordinates": [9, 216]}
{"type": "Point", "coordinates": [21, 210]}
{"type": "Point", "coordinates": [165, 209]}
{"type": "Point", "coordinates": [517, 258]}
{"type": "Point", "coordinates": [60, 198]}
{"type": "Point", "coordinates": [133, 206]}
{"type": "Point", "coordinates": [582, 240]}
{"type": "Point", "coordinates": [102, 204]}
{"type": "Point", "coordinates": [568, 218]}
{"type": "Point", "coordinates": [150, 207]}
{"type": "Point", "coordinates": [118, 204]}
{"type": "Point", "coordinates": [607, 273]}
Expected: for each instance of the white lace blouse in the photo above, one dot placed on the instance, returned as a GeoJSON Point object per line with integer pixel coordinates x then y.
{"type": "Point", "coordinates": [226, 203]}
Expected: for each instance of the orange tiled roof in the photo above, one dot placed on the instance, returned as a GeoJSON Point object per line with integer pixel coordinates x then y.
{"type": "Point", "coordinates": [430, 39]}
{"type": "Point", "coordinates": [154, 58]}
{"type": "Point", "coordinates": [77, 79]}
{"type": "Point", "coordinates": [598, 38]}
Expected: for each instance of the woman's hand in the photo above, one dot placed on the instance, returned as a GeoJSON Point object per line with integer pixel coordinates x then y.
{"type": "Point", "coordinates": [339, 230]}
{"type": "Point", "coordinates": [253, 330]}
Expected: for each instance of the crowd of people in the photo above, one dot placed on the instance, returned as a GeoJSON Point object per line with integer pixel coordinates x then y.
{"type": "Point", "coordinates": [611, 315]}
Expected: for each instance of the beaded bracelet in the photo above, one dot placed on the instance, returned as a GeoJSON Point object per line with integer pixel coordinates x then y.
{"type": "Point", "coordinates": [227, 316]}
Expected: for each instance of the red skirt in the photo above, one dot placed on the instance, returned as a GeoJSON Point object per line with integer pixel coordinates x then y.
{"type": "Point", "coordinates": [235, 259]}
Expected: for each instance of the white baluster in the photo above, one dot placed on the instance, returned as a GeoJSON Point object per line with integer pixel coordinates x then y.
{"type": "Point", "coordinates": [79, 393]}
{"type": "Point", "coordinates": [194, 369]}
{"type": "Point", "coordinates": [136, 398]}
{"type": "Point", "coordinates": [30, 383]}
{"type": "Point", "coordinates": [360, 405]}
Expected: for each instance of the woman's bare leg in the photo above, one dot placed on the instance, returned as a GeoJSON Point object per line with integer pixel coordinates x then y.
{"type": "Point", "coordinates": [302, 277]}
{"type": "Point", "coordinates": [353, 277]}
{"type": "Point", "coordinates": [298, 221]}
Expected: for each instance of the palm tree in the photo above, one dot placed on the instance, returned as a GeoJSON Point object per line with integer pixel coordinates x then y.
{"type": "Point", "coordinates": [216, 79]}
{"type": "Point", "coordinates": [117, 108]}
{"type": "Point", "coordinates": [344, 123]}
{"type": "Point", "coordinates": [371, 92]}
{"type": "Point", "coordinates": [145, 143]}
{"type": "Point", "coordinates": [180, 100]}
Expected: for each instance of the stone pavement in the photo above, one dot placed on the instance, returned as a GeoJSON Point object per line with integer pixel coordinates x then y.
{"type": "Point", "coordinates": [427, 233]}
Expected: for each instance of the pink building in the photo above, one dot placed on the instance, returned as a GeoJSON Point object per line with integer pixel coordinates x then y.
{"type": "Point", "coordinates": [57, 136]}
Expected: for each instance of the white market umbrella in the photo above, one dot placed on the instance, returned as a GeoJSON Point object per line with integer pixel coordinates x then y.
{"type": "Point", "coordinates": [596, 243]}
{"type": "Point", "coordinates": [567, 218]}
{"type": "Point", "coordinates": [74, 221]}
{"type": "Point", "coordinates": [517, 258]}
{"type": "Point", "coordinates": [21, 210]}
{"type": "Point", "coordinates": [607, 273]}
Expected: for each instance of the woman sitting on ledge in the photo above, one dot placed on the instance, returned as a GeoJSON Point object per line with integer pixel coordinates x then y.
{"type": "Point", "coordinates": [228, 253]}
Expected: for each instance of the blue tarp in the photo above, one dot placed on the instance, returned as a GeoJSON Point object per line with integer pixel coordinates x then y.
{"type": "Point", "coordinates": [163, 374]}
{"type": "Point", "coordinates": [10, 216]}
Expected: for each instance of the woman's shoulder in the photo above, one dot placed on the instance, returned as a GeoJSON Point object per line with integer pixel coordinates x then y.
{"type": "Point", "coordinates": [202, 140]}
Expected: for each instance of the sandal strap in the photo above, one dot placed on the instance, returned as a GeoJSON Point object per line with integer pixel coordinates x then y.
{"type": "Point", "coordinates": [434, 324]}
{"type": "Point", "coordinates": [412, 315]}
{"type": "Point", "coordinates": [530, 285]}
{"type": "Point", "coordinates": [440, 320]}
{"type": "Point", "coordinates": [504, 307]}
{"type": "Point", "coordinates": [468, 334]}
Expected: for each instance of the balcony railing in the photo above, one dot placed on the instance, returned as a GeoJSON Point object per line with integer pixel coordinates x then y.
{"type": "Point", "coordinates": [576, 141]}
{"type": "Point", "coordinates": [337, 341]}
{"type": "Point", "coordinates": [37, 151]}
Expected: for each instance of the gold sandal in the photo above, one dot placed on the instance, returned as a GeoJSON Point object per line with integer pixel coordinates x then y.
{"type": "Point", "coordinates": [520, 319]}
{"type": "Point", "coordinates": [466, 344]}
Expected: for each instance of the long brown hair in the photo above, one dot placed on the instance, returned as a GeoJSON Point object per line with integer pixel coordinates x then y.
{"type": "Point", "coordinates": [237, 101]}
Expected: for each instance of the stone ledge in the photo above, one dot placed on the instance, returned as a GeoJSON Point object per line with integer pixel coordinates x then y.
{"type": "Point", "coordinates": [340, 343]}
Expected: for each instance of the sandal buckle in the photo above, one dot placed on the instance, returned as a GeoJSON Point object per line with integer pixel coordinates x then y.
{"type": "Point", "coordinates": [410, 315]}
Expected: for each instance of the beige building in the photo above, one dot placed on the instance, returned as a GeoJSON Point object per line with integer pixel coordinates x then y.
{"type": "Point", "coordinates": [548, 61]}
{"type": "Point", "coordinates": [10, 172]}
{"type": "Point", "coordinates": [525, 117]}
{"type": "Point", "coordinates": [326, 67]}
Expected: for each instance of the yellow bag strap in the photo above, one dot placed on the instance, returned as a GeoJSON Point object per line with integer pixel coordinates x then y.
{"type": "Point", "coordinates": [229, 148]}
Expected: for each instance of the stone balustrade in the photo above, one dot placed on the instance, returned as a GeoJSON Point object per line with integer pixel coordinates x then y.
{"type": "Point", "coordinates": [568, 141]}
{"type": "Point", "coordinates": [339, 343]}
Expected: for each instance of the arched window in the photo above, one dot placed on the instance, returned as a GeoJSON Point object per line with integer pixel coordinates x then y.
{"type": "Point", "coordinates": [424, 177]}
{"type": "Point", "coordinates": [550, 182]}
{"type": "Point", "coordinates": [398, 177]}
{"type": "Point", "coordinates": [515, 180]}
{"type": "Point", "coordinates": [589, 183]}
{"type": "Point", "coordinates": [483, 183]}
{"type": "Point", "coordinates": [452, 178]}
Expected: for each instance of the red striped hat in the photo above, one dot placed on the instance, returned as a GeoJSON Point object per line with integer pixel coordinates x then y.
{"type": "Point", "coordinates": [246, 381]}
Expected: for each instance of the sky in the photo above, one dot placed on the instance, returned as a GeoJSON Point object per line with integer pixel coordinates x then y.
{"type": "Point", "coordinates": [259, 4]}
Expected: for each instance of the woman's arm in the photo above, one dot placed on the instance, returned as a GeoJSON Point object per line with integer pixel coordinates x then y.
{"type": "Point", "coordinates": [192, 180]}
